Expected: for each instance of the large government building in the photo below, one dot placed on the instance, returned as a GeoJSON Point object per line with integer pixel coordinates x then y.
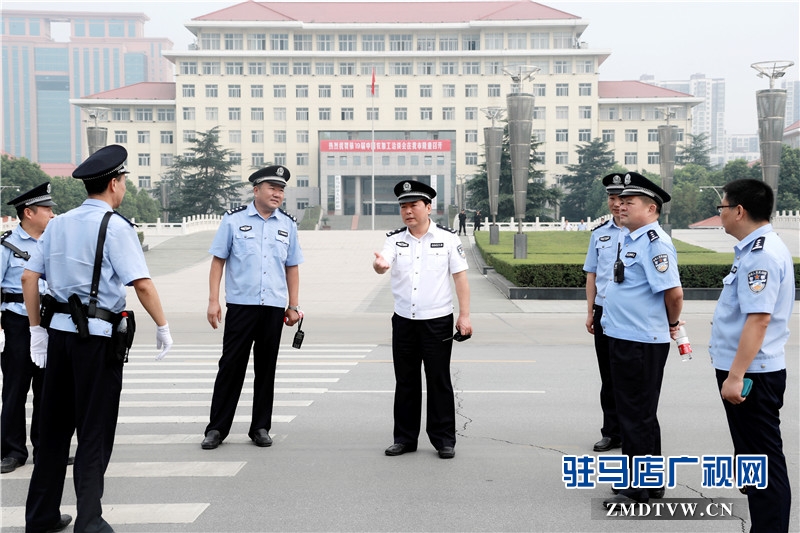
{"type": "Point", "coordinates": [310, 85]}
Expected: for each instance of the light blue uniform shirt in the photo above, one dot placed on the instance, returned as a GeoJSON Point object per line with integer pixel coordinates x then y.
{"type": "Point", "coordinates": [601, 256]}
{"type": "Point", "coordinates": [761, 280]}
{"type": "Point", "coordinates": [634, 310]}
{"type": "Point", "coordinates": [11, 267]}
{"type": "Point", "coordinates": [65, 258]}
{"type": "Point", "coordinates": [256, 253]}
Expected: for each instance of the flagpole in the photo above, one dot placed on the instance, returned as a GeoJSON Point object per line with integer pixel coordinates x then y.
{"type": "Point", "coordinates": [373, 148]}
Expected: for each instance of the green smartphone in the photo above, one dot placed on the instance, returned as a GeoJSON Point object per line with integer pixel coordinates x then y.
{"type": "Point", "coordinates": [748, 384]}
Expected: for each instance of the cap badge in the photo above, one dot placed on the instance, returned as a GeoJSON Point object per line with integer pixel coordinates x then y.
{"type": "Point", "coordinates": [48, 188]}
{"type": "Point", "coordinates": [279, 172]}
{"type": "Point", "coordinates": [627, 179]}
{"type": "Point", "coordinates": [407, 186]}
{"type": "Point", "coordinates": [616, 180]}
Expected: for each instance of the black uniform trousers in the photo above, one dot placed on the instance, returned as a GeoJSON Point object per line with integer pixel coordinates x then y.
{"type": "Point", "coordinates": [607, 403]}
{"type": "Point", "coordinates": [637, 370]}
{"type": "Point", "coordinates": [755, 429]}
{"type": "Point", "coordinates": [81, 391]}
{"type": "Point", "coordinates": [416, 343]}
{"type": "Point", "coordinates": [247, 326]}
{"type": "Point", "coordinates": [19, 373]}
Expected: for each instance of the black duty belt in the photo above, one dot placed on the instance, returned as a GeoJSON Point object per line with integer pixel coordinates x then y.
{"type": "Point", "coordinates": [102, 314]}
{"type": "Point", "coordinates": [10, 297]}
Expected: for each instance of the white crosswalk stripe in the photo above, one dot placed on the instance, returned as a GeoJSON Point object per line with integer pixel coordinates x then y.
{"type": "Point", "coordinates": [175, 394]}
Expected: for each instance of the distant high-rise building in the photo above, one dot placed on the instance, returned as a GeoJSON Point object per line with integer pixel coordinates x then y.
{"type": "Point", "coordinates": [42, 72]}
{"type": "Point", "coordinates": [708, 117]}
{"type": "Point", "coordinates": [792, 101]}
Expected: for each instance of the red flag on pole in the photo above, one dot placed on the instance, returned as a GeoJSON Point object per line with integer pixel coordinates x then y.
{"type": "Point", "coordinates": [373, 81]}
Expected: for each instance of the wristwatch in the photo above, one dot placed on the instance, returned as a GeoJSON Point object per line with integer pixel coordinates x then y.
{"type": "Point", "coordinates": [294, 308]}
{"type": "Point", "coordinates": [675, 325]}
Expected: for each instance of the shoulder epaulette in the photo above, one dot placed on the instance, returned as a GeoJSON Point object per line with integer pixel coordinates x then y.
{"type": "Point", "coordinates": [395, 231]}
{"type": "Point", "coordinates": [233, 210]}
{"type": "Point", "coordinates": [451, 230]}
{"type": "Point", "coordinates": [126, 220]}
{"type": "Point", "coordinates": [652, 234]}
{"type": "Point", "coordinates": [758, 244]}
{"type": "Point", "coordinates": [601, 225]}
{"type": "Point", "coordinates": [288, 215]}
{"type": "Point", "coordinates": [5, 235]}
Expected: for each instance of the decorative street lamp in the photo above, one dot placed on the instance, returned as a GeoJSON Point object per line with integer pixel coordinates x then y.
{"type": "Point", "coordinates": [493, 138]}
{"type": "Point", "coordinates": [520, 123]}
{"type": "Point", "coordinates": [771, 105]}
{"type": "Point", "coordinates": [667, 137]}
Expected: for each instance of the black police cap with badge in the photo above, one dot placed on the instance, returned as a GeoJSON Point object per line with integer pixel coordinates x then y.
{"type": "Point", "coordinates": [276, 174]}
{"type": "Point", "coordinates": [39, 195]}
{"type": "Point", "coordinates": [638, 185]}
{"type": "Point", "coordinates": [411, 191]}
{"type": "Point", "coordinates": [613, 184]}
{"type": "Point", "coordinates": [107, 162]}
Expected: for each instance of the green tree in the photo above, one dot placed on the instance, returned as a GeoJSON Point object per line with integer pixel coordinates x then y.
{"type": "Point", "coordinates": [789, 180]}
{"type": "Point", "coordinates": [697, 152]}
{"type": "Point", "coordinates": [19, 175]}
{"type": "Point", "coordinates": [738, 169]}
{"type": "Point", "coordinates": [584, 181]}
{"type": "Point", "coordinates": [539, 197]}
{"type": "Point", "coordinates": [202, 184]}
{"type": "Point", "coordinates": [138, 204]}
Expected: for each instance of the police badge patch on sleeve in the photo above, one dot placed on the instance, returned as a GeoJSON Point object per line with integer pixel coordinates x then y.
{"type": "Point", "coordinates": [461, 251]}
{"type": "Point", "coordinates": [757, 279]}
{"type": "Point", "coordinates": [661, 262]}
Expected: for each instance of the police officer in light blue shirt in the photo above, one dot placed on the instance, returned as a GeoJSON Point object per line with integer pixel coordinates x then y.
{"type": "Point", "coordinates": [20, 374]}
{"type": "Point", "coordinates": [83, 380]}
{"type": "Point", "coordinates": [258, 248]}
{"type": "Point", "coordinates": [748, 339]}
{"type": "Point", "coordinates": [642, 308]}
{"type": "Point", "coordinates": [598, 267]}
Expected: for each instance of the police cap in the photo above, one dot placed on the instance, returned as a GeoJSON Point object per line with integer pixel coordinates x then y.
{"type": "Point", "coordinates": [107, 162]}
{"type": "Point", "coordinates": [277, 174]}
{"type": "Point", "coordinates": [613, 184]}
{"type": "Point", "coordinates": [411, 191]}
{"type": "Point", "coordinates": [39, 195]}
{"type": "Point", "coordinates": [638, 185]}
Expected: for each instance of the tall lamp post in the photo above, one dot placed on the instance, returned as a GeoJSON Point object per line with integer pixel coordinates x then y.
{"type": "Point", "coordinates": [520, 124]}
{"type": "Point", "coordinates": [667, 137]}
{"type": "Point", "coordinates": [771, 105]}
{"type": "Point", "coordinates": [493, 138]}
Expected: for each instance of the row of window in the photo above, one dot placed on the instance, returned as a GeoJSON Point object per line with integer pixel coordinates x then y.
{"type": "Point", "coordinates": [393, 42]}
{"type": "Point", "coordinates": [470, 158]}
{"type": "Point", "coordinates": [470, 136]}
{"type": "Point", "coordinates": [145, 182]}
{"type": "Point", "coordinates": [211, 90]}
{"type": "Point", "coordinates": [424, 67]}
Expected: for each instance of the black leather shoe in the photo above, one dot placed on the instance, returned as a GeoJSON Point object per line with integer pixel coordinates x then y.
{"type": "Point", "coordinates": [607, 443]}
{"type": "Point", "coordinates": [399, 448]}
{"type": "Point", "coordinates": [212, 440]}
{"type": "Point", "coordinates": [61, 525]}
{"type": "Point", "coordinates": [261, 438]}
{"type": "Point", "coordinates": [447, 452]}
{"type": "Point", "coordinates": [619, 499]}
{"type": "Point", "coordinates": [9, 464]}
{"type": "Point", "coordinates": [656, 494]}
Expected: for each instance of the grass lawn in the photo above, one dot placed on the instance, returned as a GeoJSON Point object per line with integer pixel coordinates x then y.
{"type": "Point", "coordinates": [569, 247]}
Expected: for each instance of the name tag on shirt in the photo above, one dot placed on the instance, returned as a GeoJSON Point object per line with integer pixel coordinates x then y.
{"type": "Point", "coordinates": [402, 244]}
{"type": "Point", "coordinates": [437, 245]}
{"type": "Point", "coordinates": [283, 233]}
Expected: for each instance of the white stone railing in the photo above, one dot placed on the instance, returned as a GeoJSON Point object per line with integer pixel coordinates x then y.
{"type": "Point", "coordinates": [786, 220]}
{"type": "Point", "coordinates": [543, 226]}
{"type": "Point", "coordinates": [187, 226]}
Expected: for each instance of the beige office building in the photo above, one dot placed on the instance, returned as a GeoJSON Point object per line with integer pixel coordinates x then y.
{"type": "Point", "coordinates": [309, 85]}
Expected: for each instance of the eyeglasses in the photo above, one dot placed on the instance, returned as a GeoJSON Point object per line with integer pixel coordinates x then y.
{"type": "Point", "coordinates": [721, 207]}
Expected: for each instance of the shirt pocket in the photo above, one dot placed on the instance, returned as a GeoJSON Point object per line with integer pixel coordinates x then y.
{"type": "Point", "coordinates": [403, 258]}
{"type": "Point", "coordinates": [244, 244]}
{"type": "Point", "coordinates": [281, 250]}
{"type": "Point", "coordinates": [729, 296]}
{"type": "Point", "coordinates": [437, 259]}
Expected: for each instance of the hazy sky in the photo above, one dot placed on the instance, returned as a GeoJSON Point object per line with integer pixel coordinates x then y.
{"type": "Point", "coordinates": [670, 40]}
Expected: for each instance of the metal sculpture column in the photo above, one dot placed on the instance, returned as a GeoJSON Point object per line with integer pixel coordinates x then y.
{"type": "Point", "coordinates": [771, 111]}
{"type": "Point", "coordinates": [493, 137]}
{"type": "Point", "coordinates": [667, 137]}
{"type": "Point", "coordinates": [520, 123]}
{"type": "Point", "coordinates": [95, 135]}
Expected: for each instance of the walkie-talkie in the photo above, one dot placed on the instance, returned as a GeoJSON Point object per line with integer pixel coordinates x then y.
{"type": "Point", "coordinates": [298, 337]}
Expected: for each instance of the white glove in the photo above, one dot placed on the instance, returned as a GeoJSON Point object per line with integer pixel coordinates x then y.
{"type": "Point", "coordinates": [2, 340]}
{"type": "Point", "coordinates": [163, 341]}
{"type": "Point", "coordinates": [39, 339]}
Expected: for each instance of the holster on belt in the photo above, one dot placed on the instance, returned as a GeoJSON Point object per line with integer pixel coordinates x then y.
{"type": "Point", "coordinates": [47, 310]}
{"type": "Point", "coordinates": [78, 314]}
{"type": "Point", "coordinates": [122, 336]}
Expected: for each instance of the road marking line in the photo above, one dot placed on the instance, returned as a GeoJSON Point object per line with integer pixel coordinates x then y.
{"type": "Point", "coordinates": [145, 513]}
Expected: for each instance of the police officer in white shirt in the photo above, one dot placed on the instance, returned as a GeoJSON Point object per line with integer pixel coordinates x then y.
{"type": "Point", "coordinates": [422, 256]}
